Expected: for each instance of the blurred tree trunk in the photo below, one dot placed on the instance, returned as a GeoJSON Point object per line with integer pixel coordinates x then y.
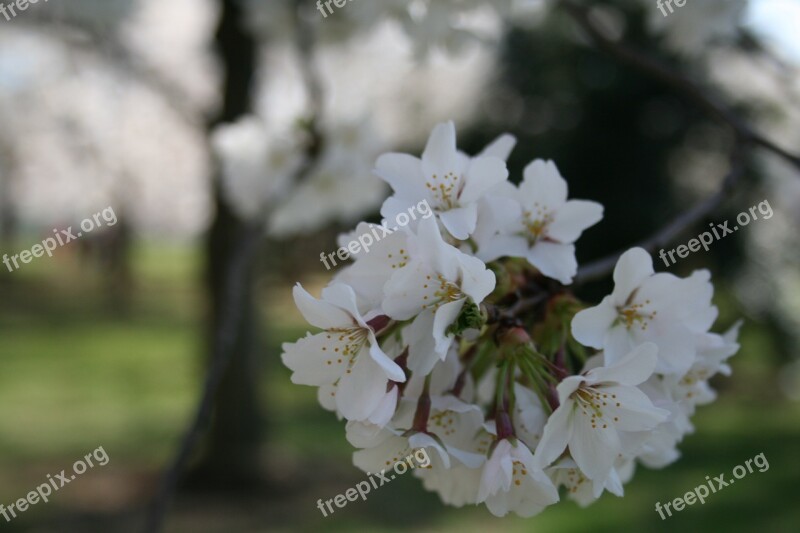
{"type": "Point", "coordinates": [230, 456]}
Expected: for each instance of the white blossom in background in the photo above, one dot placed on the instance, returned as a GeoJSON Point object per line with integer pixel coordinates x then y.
{"type": "Point", "coordinates": [339, 186]}
{"type": "Point", "coordinates": [431, 361]}
{"type": "Point", "coordinates": [691, 28]}
{"type": "Point", "coordinates": [268, 175]}
{"type": "Point", "coordinates": [258, 166]}
{"type": "Point", "coordinates": [446, 25]}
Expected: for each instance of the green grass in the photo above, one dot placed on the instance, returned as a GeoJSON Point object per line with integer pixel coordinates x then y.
{"type": "Point", "coordinates": [74, 376]}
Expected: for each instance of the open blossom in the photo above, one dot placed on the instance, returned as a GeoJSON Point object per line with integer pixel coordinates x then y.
{"type": "Point", "coordinates": [541, 225]}
{"type": "Point", "coordinates": [513, 481]}
{"type": "Point", "coordinates": [346, 355]}
{"type": "Point", "coordinates": [450, 181]}
{"type": "Point", "coordinates": [449, 432]}
{"type": "Point", "coordinates": [649, 307]}
{"type": "Point", "coordinates": [713, 351]}
{"type": "Point", "coordinates": [371, 269]}
{"type": "Point", "coordinates": [339, 186]}
{"type": "Point", "coordinates": [595, 408]}
{"type": "Point", "coordinates": [434, 287]}
{"type": "Point", "coordinates": [583, 490]}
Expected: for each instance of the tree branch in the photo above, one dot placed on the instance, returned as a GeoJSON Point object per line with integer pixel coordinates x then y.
{"type": "Point", "coordinates": [687, 88]}
{"type": "Point", "coordinates": [746, 135]}
{"type": "Point", "coordinates": [681, 223]}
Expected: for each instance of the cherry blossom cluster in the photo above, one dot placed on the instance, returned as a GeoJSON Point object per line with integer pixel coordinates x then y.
{"type": "Point", "coordinates": [458, 335]}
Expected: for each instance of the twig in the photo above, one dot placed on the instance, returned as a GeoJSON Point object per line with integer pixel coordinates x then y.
{"type": "Point", "coordinates": [598, 269]}
{"type": "Point", "coordinates": [689, 89]}
{"type": "Point", "coordinates": [747, 136]}
{"type": "Point", "coordinates": [225, 337]}
{"type": "Point", "coordinates": [305, 40]}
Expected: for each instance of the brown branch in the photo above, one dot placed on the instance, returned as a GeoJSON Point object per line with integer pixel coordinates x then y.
{"type": "Point", "coordinates": [681, 223]}
{"type": "Point", "coordinates": [687, 88]}
{"type": "Point", "coordinates": [746, 135]}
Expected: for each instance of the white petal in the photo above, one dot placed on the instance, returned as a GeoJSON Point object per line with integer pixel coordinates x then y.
{"type": "Point", "coordinates": [543, 184]}
{"type": "Point", "coordinates": [483, 174]}
{"type": "Point", "coordinates": [361, 391]}
{"type": "Point", "coordinates": [556, 436]}
{"type": "Point", "coordinates": [633, 267]}
{"type": "Point", "coordinates": [440, 152]}
{"type": "Point", "coordinates": [633, 369]}
{"type": "Point", "coordinates": [326, 395]}
{"type": "Point", "coordinates": [343, 297]}
{"type": "Point", "coordinates": [403, 173]}
{"type": "Point", "coordinates": [418, 335]}
{"type": "Point", "coordinates": [392, 369]}
{"type": "Point", "coordinates": [477, 281]}
{"type": "Point", "coordinates": [554, 260]}
{"type": "Point", "coordinates": [313, 365]}
{"type": "Point", "coordinates": [618, 343]}
{"type": "Point", "coordinates": [443, 318]}
{"type": "Point", "coordinates": [375, 459]}
{"type": "Point", "coordinates": [567, 386]}
{"type": "Point", "coordinates": [635, 411]}
{"type": "Point", "coordinates": [496, 475]}
{"type": "Point", "coordinates": [385, 409]}
{"type": "Point", "coordinates": [503, 246]}
{"type": "Point", "coordinates": [677, 350]}
{"type": "Point", "coordinates": [406, 294]}
{"type": "Point", "coordinates": [572, 219]}
{"type": "Point", "coordinates": [460, 222]}
{"type": "Point", "coordinates": [500, 147]}
{"type": "Point", "coordinates": [594, 449]}
{"type": "Point", "coordinates": [318, 313]}
{"type": "Point", "coordinates": [437, 254]}
{"type": "Point", "coordinates": [589, 327]}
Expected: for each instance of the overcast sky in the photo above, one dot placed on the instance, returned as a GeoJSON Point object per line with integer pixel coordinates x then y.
{"type": "Point", "coordinates": [778, 21]}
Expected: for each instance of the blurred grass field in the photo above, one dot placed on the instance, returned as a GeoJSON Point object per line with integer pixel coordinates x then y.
{"type": "Point", "coordinates": [74, 377]}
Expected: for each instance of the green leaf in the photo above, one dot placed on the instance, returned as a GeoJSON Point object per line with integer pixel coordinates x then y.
{"type": "Point", "coordinates": [469, 318]}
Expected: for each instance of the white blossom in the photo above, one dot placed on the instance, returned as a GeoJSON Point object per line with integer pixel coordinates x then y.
{"type": "Point", "coordinates": [450, 181]}
{"type": "Point", "coordinates": [595, 408]}
{"type": "Point", "coordinates": [541, 225]}
{"type": "Point", "coordinates": [648, 307]}
{"type": "Point", "coordinates": [345, 356]}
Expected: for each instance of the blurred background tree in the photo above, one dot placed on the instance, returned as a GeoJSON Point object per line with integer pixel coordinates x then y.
{"type": "Point", "coordinates": [117, 102]}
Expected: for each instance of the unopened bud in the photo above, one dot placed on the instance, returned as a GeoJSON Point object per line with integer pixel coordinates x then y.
{"type": "Point", "coordinates": [504, 427]}
{"type": "Point", "coordinates": [514, 337]}
{"type": "Point", "coordinates": [379, 322]}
